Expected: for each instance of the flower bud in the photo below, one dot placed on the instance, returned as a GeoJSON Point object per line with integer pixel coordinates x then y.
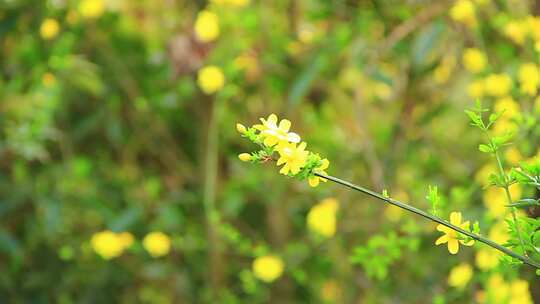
{"type": "Point", "coordinates": [241, 128]}
{"type": "Point", "coordinates": [244, 157]}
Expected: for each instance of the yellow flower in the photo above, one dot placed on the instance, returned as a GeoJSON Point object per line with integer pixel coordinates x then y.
{"type": "Point", "coordinates": [49, 28]}
{"type": "Point", "coordinates": [498, 85]}
{"type": "Point", "coordinates": [207, 26]}
{"type": "Point", "coordinates": [504, 126]}
{"type": "Point", "coordinates": [292, 157]}
{"type": "Point", "coordinates": [126, 239]}
{"type": "Point", "coordinates": [516, 31]}
{"type": "Point", "coordinates": [210, 79]}
{"type": "Point", "coordinates": [474, 60]}
{"type": "Point", "coordinates": [508, 106]}
{"type": "Point", "coordinates": [460, 275]}
{"type": "Point", "coordinates": [107, 244]}
{"type": "Point", "coordinates": [48, 79]}
{"type": "Point", "coordinates": [529, 77]}
{"type": "Point", "coordinates": [157, 244]}
{"type": "Point", "coordinates": [267, 268]}
{"type": "Point", "coordinates": [476, 89]}
{"type": "Point", "coordinates": [487, 258]}
{"type": "Point", "coordinates": [451, 237]}
{"type": "Point", "coordinates": [495, 199]}
{"type": "Point", "coordinates": [498, 289]}
{"type": "Point", "coordinates": [244, 157]}
{"type": "Point", "coordinates": [519, 292]}
{"type": "Point", "coordinates": [463, 11]}
{"type": "Point", "coordinates": [482, 175]}
{"type": "Point", "coordinates": [499, 233]}
{"type": "Point", "coordinates": [274, 133]}
{"type": "Point", "coordinates": [513, 156]}
{"type": "Point", "coordinates": [321, 218]}
{"type": "Point", "coordinates": [314, 180]}
{"type": "Point", "coordinates": [91, 9]}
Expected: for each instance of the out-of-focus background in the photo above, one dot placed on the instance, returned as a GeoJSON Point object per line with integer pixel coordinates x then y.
{"type": "Point", "coordinates": [119, 175]}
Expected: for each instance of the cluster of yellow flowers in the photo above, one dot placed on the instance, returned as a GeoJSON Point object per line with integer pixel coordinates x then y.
{"type": "Point", "coordinates": [499, 291]}
{"type": "Point", "coordinates": [451, 237]}
{"type": "Point", "coordinates": [268, 268]}
{"type": "Point", "coordinates": [275, 136]}
{"type": "Point", "coordinates": [321, 218]}
{"type": "Point", "coordinates": [109, 244]}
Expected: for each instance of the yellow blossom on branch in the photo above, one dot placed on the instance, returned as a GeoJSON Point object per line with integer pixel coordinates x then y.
{"type": "Point", "coordinates": [268, 268]}
{"type": "Point", "coordinates": [452, 237]}
{"type": "Point", "coordinates": [274, 133]}
{"type": "Point", "coordinates": [314, 180]}
{"type": "Point", "coordinates": [292, 157]}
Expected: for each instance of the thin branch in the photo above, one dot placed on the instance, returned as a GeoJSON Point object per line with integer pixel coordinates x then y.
{"type": "Point", "coordinates": [428, 216]}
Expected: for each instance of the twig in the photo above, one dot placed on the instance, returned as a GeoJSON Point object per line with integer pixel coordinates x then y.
{"type": "Point", "coordinates": [428, 216]}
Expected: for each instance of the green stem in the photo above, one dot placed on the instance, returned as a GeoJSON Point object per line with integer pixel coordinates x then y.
{"type": "Point", "coordinates": [428, 216]}
{"type": "Point", "coordinates": [509, 199]}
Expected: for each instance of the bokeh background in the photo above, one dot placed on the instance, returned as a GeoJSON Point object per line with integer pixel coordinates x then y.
{"type": "Point", "coordinates": [119, 175]}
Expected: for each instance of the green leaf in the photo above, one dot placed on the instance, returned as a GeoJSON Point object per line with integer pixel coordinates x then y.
{"type": "Point", "coordinates": [485, 148]}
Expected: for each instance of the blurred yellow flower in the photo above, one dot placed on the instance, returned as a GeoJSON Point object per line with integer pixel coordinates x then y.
{"type": "Point", "coordinates": [529, 78]}
{"type": "Point", "coordinates": [443, 71]}
{"type": "Point", "coordinates": [499, 233]}
{"type": "Point", "coordinates": [314, 180]}
{"type": "Point", "coordinates": [210, 79]}
{"type": "Point", "coordinates": [126, 239]}
{"type": "Point", "coordinates": [48, 79]}
{"type": "Point", "coordinates": [519, 292]}
{"type": "Point", "coordinates": [236, 3]}
{"type": "Point", "coordinates": [207, 26]}
{"type": "Point", "coordinates": [516, 30]}
{"type": "Point", "coordinates": [107, 244]}
{"type": "Point", "coordinates": [321, 218]}
{"type": "Point", "coordinates": [498, 289]}
{"type": "Point", "coordinates": [276, 134]}
{"type": "Point", "coordinates": [513, 156]}
{"type": "Point", "coordinates": [495, 200]}
{"type": "Point", "coordinates": [49, 28]}
{"type": "Point", "coordinates": [482, 175]}
{"type": "Point", "coordinates": [91, 9]}
{"type": "Point", "coordinates": [452, 237]}
{"type": "Point", "coordinates": [476, 89]}
{"type": "Point", "coordinates": [157, 244]}
{"type": "Point", "coordinates": [244, 157]}
{"type": "Point", "coordinates": [504, 126]}
{"type": "Point", "coordinates": [463, 11]}
{"type": "Point", "coordinates": [460, 275]}
{"type": "Point", "coordinates": [498, 85]}
{"type": "Point", "coordinates": [487, 258]}
{"type": "Point", "coordinates": [292, 157]}
{"type": "Point", "coordinates": [267, 268]}
{"type": "Point", "coordinates": [474, 60]}
{"type": "Point", "coordinates": [508, 106]}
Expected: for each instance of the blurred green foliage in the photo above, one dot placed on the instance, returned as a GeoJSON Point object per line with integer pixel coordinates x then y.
{"type": "Point", "coordinates": [106, 124]}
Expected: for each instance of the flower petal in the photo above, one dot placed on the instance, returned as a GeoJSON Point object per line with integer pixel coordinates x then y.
{"type": "Point", "coordinates": [313, 181]}
{"type": "Point", "coordinates": [285, 125]}
{"type": "Point", "coordinates": [443, 228]}
{"type": "Point", "coordinates": [455, 218]}
{"type": "Point", "coordinates": [324, 164]}
{"type": "Point", "coordinates": [469, 243]}
{"type": "Point", "coordinates": [453, 246]}
{"type": "Point", "coordinates": [293, 137]}
{"type": "Point", "coordinates": [443, 239]}
{"type": "Point", "coordinates": [272, 119]}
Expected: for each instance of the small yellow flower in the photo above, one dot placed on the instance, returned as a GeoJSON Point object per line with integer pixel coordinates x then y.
{"type": "Point", "coordinates": [519, 292]}
{"type": "Point", "coordinates": [487, 258]}
{"type": "Point", "coordinates": [508, 106]}
{"type": "Point", "coordinates": [49, 29]}
{"type": "Point", "coordinates": [314, 180]}
{"type": "Point", "coordinates": [460, 276]}
{"type": "Point", "coordinates": [517, 31]}
{"type": "Point", "coordinates": [276, 134]}
{"type": "Point", "coordinates": [244, 157]}
{"type": "Point", "coordinates": [107, 244]}
{"type": "Point", "coordinates": [157, 244]}
{"type": "Point", "coordinates": [476, 89]}
{"type": "Point", "coordinates": [529, 78]}
{"type": "Point", "coordinates": [483, 174]}
{"type": "Point", "coordinates": [292, 157]}
{"type": "Point", "coordinates": [474, 60]}
{"type": "Point", "coordinates": [499, 233]}
{"type": "Point", "coordinates": [91, 9]}
{"type": "Point", "coordinates": [498, 289]}
{"type": "Point", "coordinates": [513, 156]}
{"type": "Point", "coordinates": [126, 239]}
{"type": "Point", "coordinates": [451, 237]}
{"type": "Point", "coordinates": [210, 79]}
{"type": "Point", "coordinates": [498, 85]}
{"type": "Point", "coordinates": [207, 26]}
{"type": "Point", "coordinates": [268, 268]}
{"type": "Point", "coordinates": [48, 79]}
{"type": "Point", "coordinates": [321, 218]}
{"type": "Point", "coordinates": [463, 11]}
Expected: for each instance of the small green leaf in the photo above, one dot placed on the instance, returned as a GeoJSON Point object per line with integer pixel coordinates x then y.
{"type": "Point", "coordinates": [485, 148]}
